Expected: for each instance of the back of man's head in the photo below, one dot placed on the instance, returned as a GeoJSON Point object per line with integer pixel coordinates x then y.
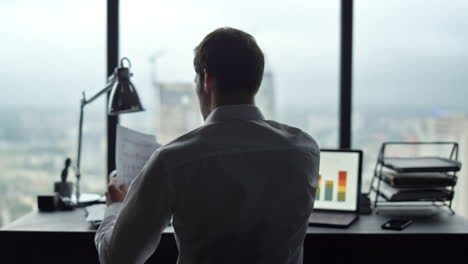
{"type": "Point", "coordinates": [233, 58]}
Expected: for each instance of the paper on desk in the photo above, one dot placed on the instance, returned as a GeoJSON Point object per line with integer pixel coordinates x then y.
{"type": "Point", "coordinates": [133, 150]}
{"type": "Point", "coordinates": [95, 212]}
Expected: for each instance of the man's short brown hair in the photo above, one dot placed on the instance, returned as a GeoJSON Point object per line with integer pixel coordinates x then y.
{"type": "Point", "coordinates": [233, 58]}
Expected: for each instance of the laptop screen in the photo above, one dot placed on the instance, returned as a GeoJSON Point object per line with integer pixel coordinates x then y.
{"type": "Point", "coordinates": [339, 180]}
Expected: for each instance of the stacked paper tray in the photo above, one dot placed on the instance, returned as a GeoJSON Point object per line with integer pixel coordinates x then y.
{"type": "Point", "coordinates": [422, 164]}
{"type": "Point", "coordinates": [418, 179]}
{"type": "Point", "coordinates": [412, 194]}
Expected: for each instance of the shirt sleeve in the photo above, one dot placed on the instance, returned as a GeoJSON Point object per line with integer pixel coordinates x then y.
{"type": "Point", "coordinates": [131, 231]}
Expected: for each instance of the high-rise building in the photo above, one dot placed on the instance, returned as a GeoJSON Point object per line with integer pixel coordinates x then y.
{"type": "Point", "coordinates": [178, 110]}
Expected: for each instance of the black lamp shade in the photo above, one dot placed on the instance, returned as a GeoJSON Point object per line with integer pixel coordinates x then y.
{"type": "Point", "coordinates": [124, 97]}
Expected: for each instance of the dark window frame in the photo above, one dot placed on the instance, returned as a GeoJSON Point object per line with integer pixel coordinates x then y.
{"type": "Point", "coordinates": [112, 62]}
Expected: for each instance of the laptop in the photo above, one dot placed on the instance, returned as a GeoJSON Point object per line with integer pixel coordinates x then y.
{"type": "Point", "coordinates": [339, 187]}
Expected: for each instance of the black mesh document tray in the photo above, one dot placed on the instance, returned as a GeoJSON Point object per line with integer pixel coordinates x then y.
{"type": "Point", "coordinates": [418, 179]}
{"type": "Point", "coordinates": [402, 194]}
{"type": "Point", "coordinates": [421, 164]}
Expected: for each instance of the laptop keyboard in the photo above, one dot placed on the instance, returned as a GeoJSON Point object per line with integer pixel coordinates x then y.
{"type": "Point", "coordinates": [331, 218]}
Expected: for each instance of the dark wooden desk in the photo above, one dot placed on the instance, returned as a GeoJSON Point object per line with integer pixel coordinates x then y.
{"type": "Point", "coordinates": [434, 236]}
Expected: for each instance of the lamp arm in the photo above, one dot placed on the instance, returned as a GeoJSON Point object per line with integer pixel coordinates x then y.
{"type": "Point", "coordinates": [78, 155]}
{"type": "Point", "coordinates": [111, 81]}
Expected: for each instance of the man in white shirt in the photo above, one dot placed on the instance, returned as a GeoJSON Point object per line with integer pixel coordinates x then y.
{"type": "Point", "coordinates": [240, 189]}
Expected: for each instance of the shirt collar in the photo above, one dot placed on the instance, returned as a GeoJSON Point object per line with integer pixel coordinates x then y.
{"type": "Point", "coordinates": [230, 112]}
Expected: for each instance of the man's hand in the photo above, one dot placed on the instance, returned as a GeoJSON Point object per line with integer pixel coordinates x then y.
{"type": "Point", "coordinates": [115, 194]}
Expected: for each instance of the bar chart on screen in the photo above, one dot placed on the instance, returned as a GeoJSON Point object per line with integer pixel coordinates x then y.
{"type": "Point", "coordinates": [341, 195]}
{"type": "Point", "coordinates": [337, 181]}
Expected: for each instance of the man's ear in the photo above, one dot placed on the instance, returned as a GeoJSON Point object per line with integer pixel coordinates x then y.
{"type": "Point", "coordinates": [209, 83]}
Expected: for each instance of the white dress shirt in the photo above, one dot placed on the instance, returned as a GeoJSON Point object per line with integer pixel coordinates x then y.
{"type": "Point", "coordinates": [240, 189]}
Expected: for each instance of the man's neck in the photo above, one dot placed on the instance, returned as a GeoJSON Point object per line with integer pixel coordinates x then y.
{"type": "Point", "coordinates": [233, 99]}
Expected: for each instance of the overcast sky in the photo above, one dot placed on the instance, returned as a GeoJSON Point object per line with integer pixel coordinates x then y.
{"type": "Point", "coordinates": [406, 52]}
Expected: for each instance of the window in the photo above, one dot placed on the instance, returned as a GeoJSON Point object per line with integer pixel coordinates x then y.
{"type": "Point", "coordinates": [410, 80]}
{"type": "Point", "coordinates": [300, 40]}
{"type": "Point", "coordinates": [51, 51]}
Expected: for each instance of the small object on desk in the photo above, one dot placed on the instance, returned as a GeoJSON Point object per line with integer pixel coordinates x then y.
{"type": "Point", "coordinates": [65, 170]}
{"type": "Point", "coordinates": [64, 188]}
{"type": "Point", "coordinates": [65, 204]}
{"type": "Point", "coordinates": [47, 202]}
{"type": "Point", "coordinates": [364, 204]}
{"type": "Point", "coordinates": [397, 224]}
{"type": "Point", "coordinates": [88, 199]}
{"type": "Point", "coordinates": [95, 214]}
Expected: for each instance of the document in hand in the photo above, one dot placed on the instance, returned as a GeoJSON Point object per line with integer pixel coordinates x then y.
{"type": "Point", "coordinates": [133, 150]}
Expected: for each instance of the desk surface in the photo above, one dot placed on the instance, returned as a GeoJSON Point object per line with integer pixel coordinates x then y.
{"type": "Point", "coordinates": [436, 236]}
{"type": "Point", "coordinates": [428, 221]}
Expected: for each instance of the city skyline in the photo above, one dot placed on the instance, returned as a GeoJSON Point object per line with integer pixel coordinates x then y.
{"type": "Point", "coordinates": [32, 160]}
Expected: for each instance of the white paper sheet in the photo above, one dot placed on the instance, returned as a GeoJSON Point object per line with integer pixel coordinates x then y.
{"type": "Point", "coordinates": [95, 212]}
{"type": "Point", "coordinates": [133, 150]}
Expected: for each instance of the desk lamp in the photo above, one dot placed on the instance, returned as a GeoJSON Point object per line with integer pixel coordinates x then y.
{"type": "Point", "coordinates": [123, 99]}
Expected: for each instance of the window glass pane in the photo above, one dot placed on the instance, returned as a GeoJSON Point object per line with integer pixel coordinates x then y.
{"type": "Point", "coordinates": [410, 78]}
{"type": "Point", "coordinates": [299, 39]}
{"type": "Point", "coordinates": [51, 50]}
